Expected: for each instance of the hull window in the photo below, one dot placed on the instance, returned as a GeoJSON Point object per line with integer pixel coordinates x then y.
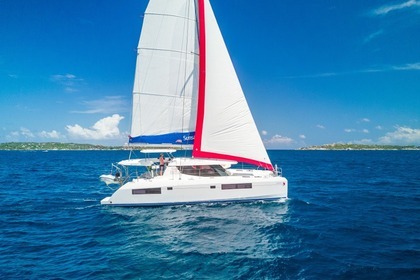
{"type": "Point", "coordinates": [236, 186]}
{"type": "Point", "coordinates": [147, 191]}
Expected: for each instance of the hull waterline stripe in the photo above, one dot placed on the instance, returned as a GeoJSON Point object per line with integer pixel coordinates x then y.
{"type": "Point", "coordinates": [195, 202]}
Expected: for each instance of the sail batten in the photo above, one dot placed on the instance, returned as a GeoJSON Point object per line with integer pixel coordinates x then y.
{"type": "Point", "coordinates": [169, 15]}
{"type": "Point", "coordinates": [162, 95]}
{"type": "Point", "coordinates": [166, 50]}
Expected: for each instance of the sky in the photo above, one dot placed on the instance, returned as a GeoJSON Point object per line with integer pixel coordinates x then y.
{"type": "Point", "coordinates": [313, 72]}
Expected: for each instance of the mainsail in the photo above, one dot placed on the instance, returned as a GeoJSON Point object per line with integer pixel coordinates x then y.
{"type": "Point", "coordinates": [165, 85]}
{"type": "Point", "coordinates": [186, 86]}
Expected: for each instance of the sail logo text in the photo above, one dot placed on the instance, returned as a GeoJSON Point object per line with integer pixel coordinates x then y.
{"type": "Point", "coordinates": [188, 138]}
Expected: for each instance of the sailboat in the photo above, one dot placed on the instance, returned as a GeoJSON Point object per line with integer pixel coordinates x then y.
{"type": "Point", "coordinates": [187, 95]}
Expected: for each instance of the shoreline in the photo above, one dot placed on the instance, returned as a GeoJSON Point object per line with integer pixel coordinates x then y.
{"type": "Point", "coordinates": [360, 147]}
{"type": "Point", "coordinates": [57, 146]}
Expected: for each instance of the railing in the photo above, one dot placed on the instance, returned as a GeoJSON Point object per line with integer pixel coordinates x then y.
{"type": "Point", "coordinates": [278, 171]}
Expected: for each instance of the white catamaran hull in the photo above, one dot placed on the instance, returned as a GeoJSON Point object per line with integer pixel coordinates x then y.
{"type": "Point", "coordinates": [164, 191]}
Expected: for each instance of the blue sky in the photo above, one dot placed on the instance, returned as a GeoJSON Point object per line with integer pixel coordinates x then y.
{"type": "Point", "coordinates": [314, 72]}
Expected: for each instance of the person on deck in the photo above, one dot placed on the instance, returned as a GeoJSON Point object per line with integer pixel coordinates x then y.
{"type": "Point", "coordinates": [161, 163]}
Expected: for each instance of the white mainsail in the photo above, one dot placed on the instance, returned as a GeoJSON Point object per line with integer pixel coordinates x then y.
{"type": "Point", "coordinates": [165, 85]}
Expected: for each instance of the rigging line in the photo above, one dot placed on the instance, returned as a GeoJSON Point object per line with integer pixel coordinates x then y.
{"type": "Point", "coordinates": [159, 95]}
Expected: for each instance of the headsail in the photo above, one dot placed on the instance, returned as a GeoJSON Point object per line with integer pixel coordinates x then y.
{"type": "Point", "coordinates": [225, 126]}
{"type": "Point", "coordinates": [165, 87]}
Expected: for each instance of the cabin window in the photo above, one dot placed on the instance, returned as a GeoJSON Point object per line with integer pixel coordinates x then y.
{"type": "Point", "coordinates": [203, 170]}
{"type": "Point", "coordinates": [212, 187]}
{"type": "Point", "coordinates": [236, 186]}
{"type": "Point", "coordinates": [170, 188]}
{"type": "Point", "coordinates": [147, 191]}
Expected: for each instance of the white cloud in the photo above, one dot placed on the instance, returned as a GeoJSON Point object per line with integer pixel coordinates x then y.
{"type": "Point", "coordinates": [390, 8]}
{"type": "Point", "coordinates": [264, 132]}
{"type": "Point", "coordinates": [365, 120]}
{"type": "Point", "coordinates": [23, 132]}
{"type": "Point", "coordinates": [69, 81]}
{"type": "Point", "coordinates": [106, 128]}
{"type": "Point", "coordinates": [350, 130]}
{"type": "Point", "coordinates": [374, 69]}
{"type": "Point", "coordinates": [373, 36]}
{"type": "Point", "coordinates": [318, 75]}
{"type": "Point", "coordinates": [52, 134]}
{"type": "Point", "coordinates": [302, 136]}
{"type": "Point", "coordinates": [320, 126]}
{"type": "Point", "coordinates": [378, 127]}
{"type": "Point", "coordinates": [364, 141]}
{"type": "Point", "coordinates": [107, 105]}
{"type": "Point", "coordinates": [70, 89]}
{"type": "Point", "coordinates": [407, 67]}
{"type": "Point", "coordinates": [61, 78]}
{"type": "Point", "coordinates": [278, 139]}
{"type": "Point", "coordinates": [13, 136]}
{"type": "Point", "coordinates": [387, 68]}
{"type": "Point", "coordinates": [402, 136]}
{"type": "Point", "coordinates": [26, 133]}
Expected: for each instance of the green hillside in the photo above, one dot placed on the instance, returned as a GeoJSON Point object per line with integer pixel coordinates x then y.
{"type": "Point", "coordinates": [342, 146]}
{"type": "Point", "coordinates": [54, 146]}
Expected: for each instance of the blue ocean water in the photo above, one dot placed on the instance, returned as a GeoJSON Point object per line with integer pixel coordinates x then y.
{"type": "Point", "coordinates": [350, 215]}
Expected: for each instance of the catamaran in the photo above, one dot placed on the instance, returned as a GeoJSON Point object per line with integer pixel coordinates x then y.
{"type": "Point", "coordinates": [186, 94]}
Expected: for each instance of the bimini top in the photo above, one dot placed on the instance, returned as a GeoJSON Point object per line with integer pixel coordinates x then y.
{"type": "Point", "coordinates": [158, 151]}
{"type": "Point", "coordinates": [200, 161]}
{"type": "Point", "coordinates": [137, 162]}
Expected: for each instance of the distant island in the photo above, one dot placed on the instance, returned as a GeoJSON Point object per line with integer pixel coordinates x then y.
{"type": "Point", "coordinates": [56, 146]}
{"type": "Point", "coordinates": [341, 146]}
{"type": "Point", "coordinates": [48, 146]}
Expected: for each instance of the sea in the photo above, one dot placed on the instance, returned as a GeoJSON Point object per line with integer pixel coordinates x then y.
{"type": "Point", "coordinates": [349, 215]}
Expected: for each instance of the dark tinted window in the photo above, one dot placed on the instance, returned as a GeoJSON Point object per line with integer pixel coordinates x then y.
{"type": "Point", "coordinates": [203, 170]}
{"type": "Point", "coordinates": [147, 191]}
{"type": "Point", "coordinates": [236, 186]}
